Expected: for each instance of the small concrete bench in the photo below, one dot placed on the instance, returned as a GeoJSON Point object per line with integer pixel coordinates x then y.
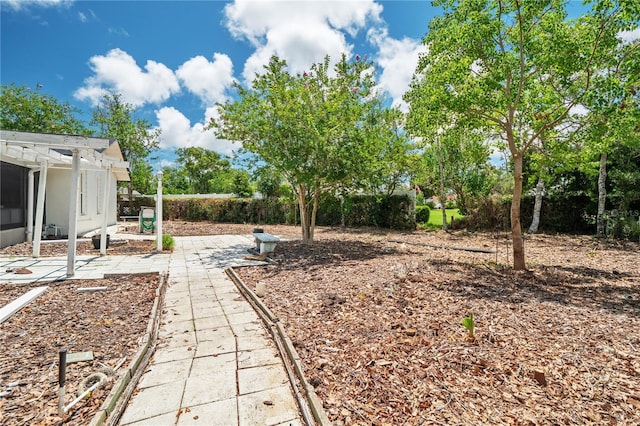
{"type": "Point", "coordinates": [265, 243]}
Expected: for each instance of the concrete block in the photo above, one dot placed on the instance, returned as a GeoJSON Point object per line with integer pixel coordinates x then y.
{"type": "Point", "coordinates": [261, 378]}
{"type": "Point", "coordinates": [214, 387]}
{"type": "Point", "coordinates": [219, 413]}
{"type": "Point", "coordinates": [269, 407]}
{"type": "Point", "coordinates": [152, 402]}
{"type": "Point", "coordinates": [165, 372]}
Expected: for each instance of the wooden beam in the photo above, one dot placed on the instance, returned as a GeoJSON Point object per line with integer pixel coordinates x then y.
{"type": "Point", "coordinates": [74, 196]}
{"type": "Point", "coordinates": [12, 307]}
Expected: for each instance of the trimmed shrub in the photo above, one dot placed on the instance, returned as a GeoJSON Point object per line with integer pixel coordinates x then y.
{"type": "Point", "coordinates": [422, 214]}
{"type": "Point", "coordinates": [395, 212]}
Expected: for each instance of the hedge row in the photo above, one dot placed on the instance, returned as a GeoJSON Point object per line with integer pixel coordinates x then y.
{"type": "Point", "coordinates": [395, 212]}
{"type": "Point", "coordinates": [569, 213]}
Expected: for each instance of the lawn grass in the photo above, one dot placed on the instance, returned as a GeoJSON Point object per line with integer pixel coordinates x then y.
{"type": "Point", "coordinates": [435, 217]}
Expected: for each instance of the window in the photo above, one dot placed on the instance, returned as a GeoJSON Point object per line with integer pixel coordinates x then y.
{"type": "Point", "coordinates": [13, 196]}
{"type": "Point", "coordinates": [84, 196]}
{"type": "Point", "coordinates": [100, 192]}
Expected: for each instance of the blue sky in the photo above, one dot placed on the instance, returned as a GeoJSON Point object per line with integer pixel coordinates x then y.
{"type": "Point", "coordinates": [173, 60]}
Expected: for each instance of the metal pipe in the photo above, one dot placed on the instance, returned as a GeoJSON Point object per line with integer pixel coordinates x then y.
{"type": "Point", "coordinates": [82, 395]}
{"type": "Point", "coordinates": [62, 372]}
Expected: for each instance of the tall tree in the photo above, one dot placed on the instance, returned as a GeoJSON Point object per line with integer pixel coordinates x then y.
{"type": "Point", "coordinates": [27, 110]}
{"type": "Point", "coordinates": [319, 130]}
{"type": "Point", "coordinates": [115, 118]}
{"type": "Point", "coordinates": [201, 166]}
{"type": "Point", "coordinates": [519, 67]}
{"type": "Point", "coordinates": [611, 123]}
{"type": "Point", "coordinates": [175, 180]}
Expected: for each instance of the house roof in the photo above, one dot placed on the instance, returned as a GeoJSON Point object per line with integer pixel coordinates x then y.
{"type": "Point", "coordinates": [31, 149]}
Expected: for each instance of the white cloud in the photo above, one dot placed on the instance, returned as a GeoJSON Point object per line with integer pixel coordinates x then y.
{"type": "Point", "coordinates": [398, 60]}
{"type": "Point", "coordinates": [301, 32]}
{"type": "Point", "coordinates": [207, 80]}
{"type": "Point", "coordinates": [177, 132]}
{"type": "Point", "coordinates": [82, 17]}
{"type": "Point", "coordinates": [627, 37]}
{"type": "Point", "coordinates": [17, 5]}
{"type": "Point", "coordinates": [117, 71]}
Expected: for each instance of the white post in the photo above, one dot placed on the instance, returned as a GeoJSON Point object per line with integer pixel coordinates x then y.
{"type": "Point", "coordinates": [73, 213]}
{"type": "Point", "coordinates": [30, 191]}
{"type": "Point", "coordinates": [105, 212]}
{"type": "Point", "coordinates": [159, 215]}
{"type": "Point", "coordinates": [42, 186]}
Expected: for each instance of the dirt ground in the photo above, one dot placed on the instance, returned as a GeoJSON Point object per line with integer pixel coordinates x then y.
{"type": "Point", "coordinates": [108, 323]}
{"type": "Point", "coordinates": [376, 318]}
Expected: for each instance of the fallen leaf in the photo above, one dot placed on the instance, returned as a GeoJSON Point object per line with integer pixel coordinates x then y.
{"type": "Point", "coordinates": [539, 376]}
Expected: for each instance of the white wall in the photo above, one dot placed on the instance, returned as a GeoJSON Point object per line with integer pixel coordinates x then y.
{"type": "Point", "coordinates": [57, 201]}
{"type": "Point", "coordinates": [10, 237]}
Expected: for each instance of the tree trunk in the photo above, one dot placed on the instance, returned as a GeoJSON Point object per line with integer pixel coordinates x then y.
{"type": "Point", "coordinates": [516, 227]}
{"type": "Point", "coordinates": [537, 206]}
{"type": "Point", "coordinates": [304, 216]}
{"type": "Point", "coordinates": [602, 195]}
{"type": "Point", "coordinates": [312, 225]}
{"type": "Point", "coordinates": [443, 196]}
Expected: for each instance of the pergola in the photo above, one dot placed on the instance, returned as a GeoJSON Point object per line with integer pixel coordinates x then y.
{"type": "Point", "coordinates": [41, 151]}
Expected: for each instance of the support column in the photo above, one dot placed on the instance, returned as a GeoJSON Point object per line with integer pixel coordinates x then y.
{"type": "Point", "coordinates": [73, 213]}
{"type": "Point", "coordinates": [30, 191]}
{"type": "Point", "coordinates": [105, 212]}
{"type": "Point", "coordinates": [42, 187]}
{"type": "Point", "coordinates": [159, 215]}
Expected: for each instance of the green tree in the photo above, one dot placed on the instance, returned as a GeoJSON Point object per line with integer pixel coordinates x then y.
{"type": "Point", "coordinates": [202, 168]}
{"type": "Point", "coordinates": [396, 160]}
{"type": "Point", "coordinates": [114, 118]}
{"type": "Point", "coordinates": [267, 182]}
{"type": "Point", "coordinates": [27, 110]}
{"type": "Point", "coordinates": [241, 184]}
{"type": "Point", "coordinates": [318, 129]}
{"type": "Point", "coordinates": [517, 68]}
{"type": "Point", "coordinates": [611, 125]}
{"type": "Point", "coordinates": [174, 180]}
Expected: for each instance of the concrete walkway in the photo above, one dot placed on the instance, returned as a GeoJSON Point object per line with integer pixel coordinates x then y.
{"type": "Point", "coordinates": [215, 364]}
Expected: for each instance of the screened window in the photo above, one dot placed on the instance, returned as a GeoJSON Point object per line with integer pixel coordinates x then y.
{"type": "Point", "coordinates": [100, 192]}
{"type": "Point", "coordinates": [84, 196]}
{"type": "Point", "coordinates": [13, 196]}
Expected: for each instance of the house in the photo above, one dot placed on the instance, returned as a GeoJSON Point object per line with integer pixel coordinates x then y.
{"type": "Point", "coordinates": [37, 185]}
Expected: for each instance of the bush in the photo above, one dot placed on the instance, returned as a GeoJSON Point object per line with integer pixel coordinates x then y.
{"type": "Point", "coordinates": [395, 212]}
{"type": "Point", "coordinates": [422, 214]}
{"type": "Point", "coordinates": [168, 243]}
{"type": "Point", "coordinates": [488, 213]}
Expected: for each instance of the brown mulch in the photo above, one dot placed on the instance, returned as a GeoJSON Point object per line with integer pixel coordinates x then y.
{"type": "Point", "coordinates": [376, 318]}
{"type": "Point", "coordinates": [108, 323]}
{"type": "Point", "coordinates": [60, 247]}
